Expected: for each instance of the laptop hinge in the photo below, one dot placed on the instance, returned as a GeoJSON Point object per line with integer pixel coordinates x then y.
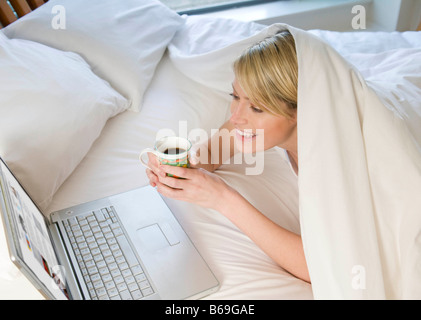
{"type": "Point", "coordinates": [73, 285]}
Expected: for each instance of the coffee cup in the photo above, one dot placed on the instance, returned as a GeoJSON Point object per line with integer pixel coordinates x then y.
{"type": "Point", "coordinates": [171, 151]}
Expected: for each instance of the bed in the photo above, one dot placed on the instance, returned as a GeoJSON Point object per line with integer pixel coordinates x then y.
{"type": "Point", "coordinates": [126, 84]}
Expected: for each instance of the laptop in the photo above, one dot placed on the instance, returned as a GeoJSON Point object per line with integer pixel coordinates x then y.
{"type": "Point", "coordinates": [126, 246]}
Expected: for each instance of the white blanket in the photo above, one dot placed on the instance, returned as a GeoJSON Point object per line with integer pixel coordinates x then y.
{"type": "Point", "coordinates": [360, 161]}
{"type": "Point", "coordinates": [360, 173]}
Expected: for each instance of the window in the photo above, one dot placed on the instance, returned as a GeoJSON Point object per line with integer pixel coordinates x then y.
{"type": "Point", "coordinates": [202, 6]}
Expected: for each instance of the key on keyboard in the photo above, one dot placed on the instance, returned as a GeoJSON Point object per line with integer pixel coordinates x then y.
{"type": "Point", "coordinates": [107, 262]}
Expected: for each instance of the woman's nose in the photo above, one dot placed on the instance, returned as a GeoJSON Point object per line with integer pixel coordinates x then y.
{"type": "Point", "coordinates": [238, 115]}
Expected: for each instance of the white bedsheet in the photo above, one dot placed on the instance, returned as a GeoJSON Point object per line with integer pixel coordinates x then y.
{"type": "Point", "coordinates": [112, 166]}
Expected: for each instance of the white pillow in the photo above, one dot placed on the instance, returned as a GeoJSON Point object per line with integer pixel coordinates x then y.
{"type": "Point", "coordinates": [52, 108]}
{"type": "Point", "coordinates": [122, 40]}
{"type": "Point", "coordinates": [206, 48]}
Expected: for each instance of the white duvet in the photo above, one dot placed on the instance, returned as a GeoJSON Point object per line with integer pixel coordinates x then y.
{"type": "Point", "coordinates": [359, 145]}
{"type": "Point", "coordinates": [358, 209]}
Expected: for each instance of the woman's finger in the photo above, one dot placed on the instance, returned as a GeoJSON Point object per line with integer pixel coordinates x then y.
{"type": "Point", "coordinates": [186, 173]}
{"type": "Point", "coordinates": [194, 155]}
{"type": "Point", "coordinates": [173, 182]}
{"type": "Point", "coordinates": [169, 192]}
{"type": "Point", "coordinates": [153, 162]}
{"type": "Point", "coordinates": [152, 177]}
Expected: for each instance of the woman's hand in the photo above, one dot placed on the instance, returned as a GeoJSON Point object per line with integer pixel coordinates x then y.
{"type": "Point", "coordinates": [208, 190]}
{"type": "Point", "coordinates": [199, 157]}
{"type": "Point", "coordinates": [197, 186]}
{"type": "Point", "coordinates": [153, 164]}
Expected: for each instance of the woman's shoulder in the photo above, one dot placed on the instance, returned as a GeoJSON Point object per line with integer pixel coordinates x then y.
{"type": "Point", "coordinates": [284, 155]}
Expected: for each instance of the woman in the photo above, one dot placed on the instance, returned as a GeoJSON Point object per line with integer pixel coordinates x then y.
{"type": "Point", "coordinates": [264, 97]}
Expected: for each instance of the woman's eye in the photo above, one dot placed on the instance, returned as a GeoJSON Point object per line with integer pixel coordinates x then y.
{"type": "Point", "coordinates": [255, 109]}
{"type": "Point", "coordinates": [235, 97]}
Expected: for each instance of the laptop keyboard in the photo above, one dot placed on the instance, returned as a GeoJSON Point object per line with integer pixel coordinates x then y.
{"type": "Point", "coordinates": [106, 259]}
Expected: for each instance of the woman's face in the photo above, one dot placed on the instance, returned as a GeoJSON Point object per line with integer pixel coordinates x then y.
{"type": "Point", "coordinates": [258, 130]}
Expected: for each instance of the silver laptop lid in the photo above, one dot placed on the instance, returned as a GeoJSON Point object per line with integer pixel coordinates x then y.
{"type": "Point", "coordinates": [28, 237]}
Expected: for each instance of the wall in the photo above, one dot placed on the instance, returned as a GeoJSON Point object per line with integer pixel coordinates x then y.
{"type": "Point", "coordinates": [335, 15]}
{"type": "Point", "coordinates": [396, 15]}
{"type": "Point", "coordinates": [409, 15]}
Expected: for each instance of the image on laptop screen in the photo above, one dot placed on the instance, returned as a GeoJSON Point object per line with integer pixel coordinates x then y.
{"type": "Point", "coordinates": [31, 237]}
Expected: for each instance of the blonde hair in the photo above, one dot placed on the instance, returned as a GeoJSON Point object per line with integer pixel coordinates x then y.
{"type": "Point", "coordinates": [268, 73]}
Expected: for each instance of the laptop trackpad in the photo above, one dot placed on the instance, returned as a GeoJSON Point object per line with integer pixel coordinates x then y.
{"type": "Point", "coordinates": [156, 237]}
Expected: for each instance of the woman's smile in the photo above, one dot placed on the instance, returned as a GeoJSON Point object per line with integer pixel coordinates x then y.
{"type": "Point", "coordinates": [245, 134]}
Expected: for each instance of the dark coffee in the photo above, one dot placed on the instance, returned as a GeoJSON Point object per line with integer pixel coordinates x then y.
{"type": "Point", "coordinates": [174, 151]}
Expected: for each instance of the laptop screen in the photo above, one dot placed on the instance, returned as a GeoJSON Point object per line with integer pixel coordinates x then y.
{"type": "Point", "coordinates": [29, 235]}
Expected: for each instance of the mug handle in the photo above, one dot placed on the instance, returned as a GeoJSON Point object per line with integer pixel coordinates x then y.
{"type": "Point", "coordinates": [142, 153]}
